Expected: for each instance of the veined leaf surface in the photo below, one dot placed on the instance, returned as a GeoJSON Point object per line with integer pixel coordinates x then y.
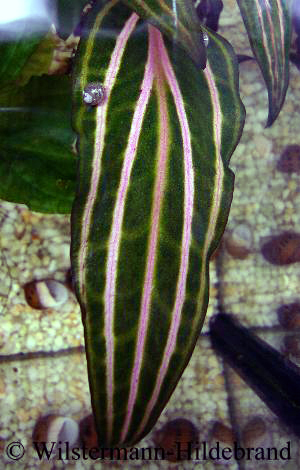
{"type": "Point", "coordinates": [177, 19]}
{"type": "Point", "coordinates": [268, 25]}
{"type": "Point", "coordinates": [152, 201]}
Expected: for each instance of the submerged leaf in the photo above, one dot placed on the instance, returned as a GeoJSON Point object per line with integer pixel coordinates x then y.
{"type": "Point", "coordinates": [152, 201]}
{"type": "Point", "coordinates": [18, 43]}
{"type": "Point", "coordinates": [177, 19]}
{"type": "Point", "coordinates": [268, 25]}
{"type": "Point", "coordinates": [39, 62]}
{"type": "Point", "coordinates": [37, 165]}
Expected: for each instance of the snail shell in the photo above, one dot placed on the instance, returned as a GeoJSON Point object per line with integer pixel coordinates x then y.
{"type": "Point", "coordinates": [205, 39]}
{"type": "Point", "coordinates": [46, 293]}
{"type": "Point", "coordinates": [93, 94]}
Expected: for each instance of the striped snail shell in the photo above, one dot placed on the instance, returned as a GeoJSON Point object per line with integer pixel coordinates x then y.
{"type": "Point", "coordinates": [205, 39]}
{"type": "Point", "coordinates": [93, 94]}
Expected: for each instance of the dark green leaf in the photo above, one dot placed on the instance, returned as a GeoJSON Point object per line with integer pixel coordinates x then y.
{"type": "Point", "coordinates": [268, 25]}
{"type": "Point", "coordinates": [37, 165]}
{"type": "Point", "coordinates": [17, 47]}
{"type": "Point", "coordinates": [178, 20]}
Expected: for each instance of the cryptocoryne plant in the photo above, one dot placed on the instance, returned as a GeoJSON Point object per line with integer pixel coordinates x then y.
{"type": "Point", "coordinates": [157, 114]}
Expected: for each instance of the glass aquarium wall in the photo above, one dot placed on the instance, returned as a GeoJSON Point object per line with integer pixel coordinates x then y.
{"type": "Point", "coordinates": [254, 275]}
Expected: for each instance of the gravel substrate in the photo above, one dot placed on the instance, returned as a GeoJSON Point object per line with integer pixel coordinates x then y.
{"type": "Point", "coordinates": [32, 388]}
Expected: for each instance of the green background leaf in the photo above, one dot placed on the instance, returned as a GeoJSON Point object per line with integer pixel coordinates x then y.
{"type": "Point", "coordinates": [37, 164]}
{"type": "Point", "coordinates": [17, 47]}
{"type": "Point", "coordinates": [268, 25]}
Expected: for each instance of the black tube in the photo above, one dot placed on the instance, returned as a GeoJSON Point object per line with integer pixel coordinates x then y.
{"type": "Point", "coordinates": [274, 378]}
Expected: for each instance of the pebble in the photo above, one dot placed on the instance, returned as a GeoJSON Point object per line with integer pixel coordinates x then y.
{"type": "Point", "coordinates": [45, 294]}
{"type": "Point", "coordinates": [75, 406]}
{"type": "Point", "coordinates": [54, 428]}
{"type": "Point", "coordinates": [223, 436]}
{"type": "Point", "coordinates": [282, 249]}
{"type": "Point", "coordinates": [33, 374]}
{"type": "Point", "coordinates": [30, 343]}
{"type": "Point", "coordinates": [289, 161]}
{"type": "Point", "coordinates": [291, 345]}
{"type": "Point", "coordinates": [58, 343]}
{"type": "Point", "coordinates": [263, 144]}
{"type": "Point", "coordinates": [2, 339]}
{"type": "Point", "coordinates": [238, 242]}
{"type": "Point", "coordinates": [254, 433]}
{"type": "Point", "coordinates": [5, 433]}
{"type": "Point", "coordinates": [222, 433]}
{"type": "Point", "coordinates": [261, 115]}
{"type": "Point", "coordinates": [2, 388]}
{"type": "Point", "coordinates": [227, 21]}
{"type": "Point", "coordinates": [178, 430]}
{"type": "Point", "coordinates": [289, 315]}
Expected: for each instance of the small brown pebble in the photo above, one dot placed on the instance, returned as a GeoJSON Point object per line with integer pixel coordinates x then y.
{"type": "Point", "coordinates": [45, 294]}
{"type": "Point", "coordinates": [289, 315]}
{"type": "Point", "coordinates": [289, 161]}
{"type": "Point", "coordinates": [31, 295]}
{"type": "Point", "coordinates": [282, 249]}
{"type": "Point", "coordinates": [2, 339]}
{"type": "Point", "coordinates": [40, 430]}
{"type": "Point", "coordinates": [35, 237]}
{"type": "Point", "coordinates": [236, 251]}
{"type": "Point", "coordinates": [254, 432]}
{"type": "Point", "coordinates": [222, 433]}
{"type": "Point", "coordinates": [54, 428]}
{"type": "Point", "coordinates": [291, 346]}
{"type": "Point", "coordinates": [238, 242]}
{"type": "Point", "coordinates": [20, 232]}
{"type": "Point", "coordinates": [181, 431]}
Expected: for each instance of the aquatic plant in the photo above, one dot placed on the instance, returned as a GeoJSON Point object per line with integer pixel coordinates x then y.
{"type": "Point", "coordinates": [157, 115]}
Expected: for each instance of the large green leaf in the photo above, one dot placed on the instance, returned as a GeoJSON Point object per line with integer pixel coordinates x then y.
{"type": "Point", "coordinates": [18, 51]}
{"type": "Point", "coordinates": [37, 165]}
{"type": "Point", "coordinates": [152, 201]}
{"type": "Point", "coordinates": [268, 25]}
